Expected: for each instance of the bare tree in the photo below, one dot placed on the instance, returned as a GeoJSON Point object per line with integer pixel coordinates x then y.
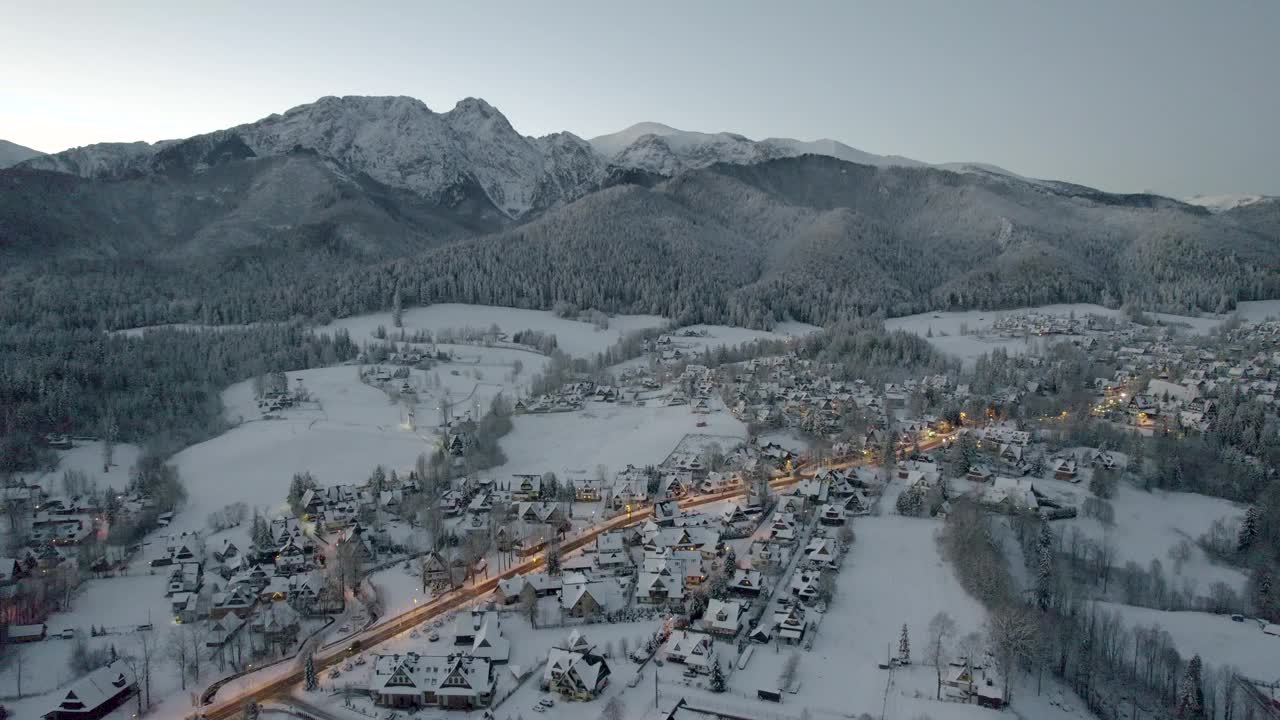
{"type": "Point", "coordinates": [176, 647]}
{"type": "Point", "coordinates": [941, 629]}
{"type": "Point", "coordinates": [147, 643]}
{"type": "Point", "coordinates": [613, 709]}
{"type": "Point", "coordinates": [1013, 635]}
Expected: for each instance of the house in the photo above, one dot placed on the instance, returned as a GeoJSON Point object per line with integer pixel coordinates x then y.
{"type": "Point", "coordinates": [580, 598]}
{"type": "Point", "coordinates": [96, 694]}
{"type": "Point", "coordinates": [574, 671]}
{"type": "Point", "coordinates": [1064, 469]}
{"type": "Point", "coordinates": [10, 571]}
{"type": "Point", "coordinates": [238, 600]}
{"type": "Point", "coordinates": [821, 554]}
{"type": "Point", "coordinates": [746, 582]}
{"type": "Point", "coordinates": [527, 587]}
{"type": "Point", "coordinates": [723, 617]}
{"type": "Point", "coordinates": [694, 649]}
{"type": "Point", "coordinates": [791, 624]}
{"type": "Point", "coordinates": [664, 513]}
{"type": "Point", "coordinates": [526, 488]}
{"type": "Point", "coordinates": [1011, 495]}
{"type": "Point", "coordinates": [222, 630]}
{"type": "Point", "coordinates": [484, 635]}
{"type": "Point", "coordinates": [277, 623]}
{"type": "Point", "coordinates": [831, 514]}
{"type": "Point", "coordinates": [659, 587]}
{"type": "Point", "coordinates": [457, 681]}
{"type": "Point", "coordinates": [804, 586]}
{"type": "Point", "coordinates": [26, 633]}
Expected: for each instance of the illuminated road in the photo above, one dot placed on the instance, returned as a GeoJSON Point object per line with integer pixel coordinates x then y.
{"type": "Point", "coordinates": [231, 707]}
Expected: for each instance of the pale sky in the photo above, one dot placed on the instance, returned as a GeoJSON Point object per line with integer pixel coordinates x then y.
{"type": "Point", "coordinates": [1176, 96]}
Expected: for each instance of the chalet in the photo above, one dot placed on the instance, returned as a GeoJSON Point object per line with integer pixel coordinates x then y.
{"type": "Point", "coordinates": [1010, 495]}
{"type": "Point", "coordinates": [276, 623]}
{"type": "Point", "coordinates": [664, 513]}
{"type": "Point", "coordinates": [977, 473]}
{"type": "Point", "coordinates": [482, 631]}
{"type": "Point", "coordinates": [574, 671]}
{"type": "Point", "coordinates": [523, 587]}
{"type": "Point", "coordinates": [693, 649]}
{"type": "Point", "coordinates": [804, 586]}
{"type": "Point", "coordinates": [659, 587]}
{"type": "Point", "coordinates": [97, 694]}
{"type": "Point", "coordinates": [791, 624]}
{"type": "Point", "coordinates": [239, 600]}
{"type": "Point", "coordinates": [746, 582]}
{"type": "Point", "coordinates": [580, 598]}
{"type": "Point", "coordinates": [526, 488]}
{"type": "Point", "coordinates": [1064, 469]}
{"type": "Point", "coordinates": [723, 617]}
{"type": "Point", "coordinates": [10, 571]}
{"type": "Point", "coordinates": [222, 630]}
{"type": "Point", "coordinates": [586, 491]}
{"type": "Point", "coordinates": [458, 681]}
{"type": "Point", "coordinates": [820, 554]}
{"type": "Point", "coordinates": [226, 551]}
{"type": "Point", "coordinates": [185, 578]}
{"type": "Point", "coordinates": [291, 557]}
{"type": "Point", "coordinates": [831, 514]}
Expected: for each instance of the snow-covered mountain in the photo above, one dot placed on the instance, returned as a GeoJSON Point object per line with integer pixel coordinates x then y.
{"type": "Point", "coordinates": [664, 150]}
{"type": "Point", "coordinates": [1223, 203]}
{"type": "Point", "coordinates": [397, 141]}
{"type": "Point", "coordinates": [12, 153]}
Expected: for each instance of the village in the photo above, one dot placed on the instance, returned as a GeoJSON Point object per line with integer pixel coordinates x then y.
{"type": "Point", "coordinates": [744, 558]}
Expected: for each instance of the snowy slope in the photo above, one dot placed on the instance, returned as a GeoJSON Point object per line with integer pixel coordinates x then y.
{"type": "Point", "coordinates": [662, 149]}
{"type": "Point", "coordinates": [1223, 203]}
{"type": "Point", "coordinates": [13, 153]}
{"type": "Point", "coordinates": [107, 160]}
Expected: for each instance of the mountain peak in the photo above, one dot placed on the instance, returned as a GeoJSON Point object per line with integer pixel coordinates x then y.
{"type": "Point", "coordinates": [13, 153]}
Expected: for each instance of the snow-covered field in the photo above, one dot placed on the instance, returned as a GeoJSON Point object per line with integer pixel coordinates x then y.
{"type": "Point", "coordinates": [86, 457]}
{"type": "Point", "coordinates": [575, 338]}
{"type": "Point", "coordinates": [348, 429]}
{"type": "Point", "coordinates": [570, 444]}
{"type": "Point", "coordinates": [1217, 639]}
{"type": "Point", "coordinates": [1147, 525]}
{"type": "Point", "coordinates": [946, 327]}
{"type": "Point", "coordinates": [120, 604]}
{"type": "Point", "coordinates": [1258, 310]}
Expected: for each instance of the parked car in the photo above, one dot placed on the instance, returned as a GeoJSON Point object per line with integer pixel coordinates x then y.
{"type": "Point", "coordinates": [434, 636]}
{"type": "Point", "coordinates": [546, 702]}
{"type": "Point", "coordinates": [334, 674]}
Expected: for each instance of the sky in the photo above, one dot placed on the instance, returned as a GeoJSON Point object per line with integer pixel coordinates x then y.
{"type": "Point", "coordinates": [1173, 96]}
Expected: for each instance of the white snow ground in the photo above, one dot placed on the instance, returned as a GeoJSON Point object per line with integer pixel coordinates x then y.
{"type": "Point", "coordinates": [1216, 638]}
{"type": "Point", "coordinates": [578, 339]}
{"type": "Point", "coordinates": [946, 328]}
{"type": "Point", "coordinates": [1148, 524]}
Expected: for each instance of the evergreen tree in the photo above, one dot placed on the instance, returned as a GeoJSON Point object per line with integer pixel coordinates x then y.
{"type": "Point", "coordinates": [553, 556]}
{"type": "Point", "coordinates": [1044, 567]}
{"type": "Point", "coordinates": [1248, 529]}
{"type": "Point", "coordinates": [1191, 692]}
{"type": "Point", "coordinates": [310, 681]}
{"type": "Point", "coordinates": [261, 533]}
{"type": "Point", "coordinates": [717, 677]}
{"type": "Point", "coordinates": [397, 311]}
{"type": "Point", "coordinates": [904, 647]}
{"type": "Point", "coordinates": [730, 562]}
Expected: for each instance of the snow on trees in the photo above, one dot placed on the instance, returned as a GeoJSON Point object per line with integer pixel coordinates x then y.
{"type": "Point", "coordinates": [904, 646]}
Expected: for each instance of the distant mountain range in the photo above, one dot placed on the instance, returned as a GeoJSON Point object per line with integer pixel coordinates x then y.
{"type": "Point", "coordinates": [652, 219]}
{"type": "Point", "coordinates": [12, 153]}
